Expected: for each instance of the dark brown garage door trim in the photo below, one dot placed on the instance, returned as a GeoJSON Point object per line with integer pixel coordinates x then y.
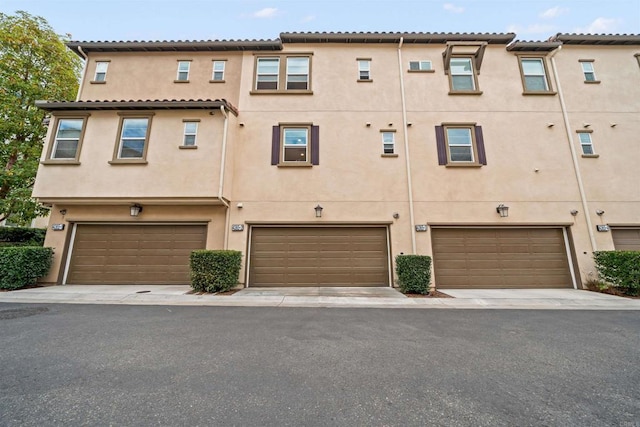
{"type": "Point", "coordinates": [327, 224]}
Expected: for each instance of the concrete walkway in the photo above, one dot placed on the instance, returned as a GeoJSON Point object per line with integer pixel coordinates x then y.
{"type": "Point", "coordinates": [554, 299]}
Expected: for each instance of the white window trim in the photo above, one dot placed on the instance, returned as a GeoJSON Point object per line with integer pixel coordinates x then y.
{"type": "Point", "coordinates": [99, 72]}
{"type": "Point", "coordinates": [471, 73]}
{"type": "Point", "coordinates": [588, 144]}
{"type": "Point", "coordinates": [214, 71]}
{"type": "Point", "coordinates": [258, 74]}
{"type": "Point", "coordinates": [144, 139]}
{"type": "Point", "coordinates": [188, 71]}
{"type": "Point", "coordinates": [194, 134]}
{"type": "Point", "coordinates": [392, 133]}
{"type": "Point", "coordinates": [428, 66]}
{"type": "Point", "coordinates": [471, 146]}
{"type": "Point", "coordinates": [306, 146]}
{"type": "Point", "coordinates": [592, 71]}
{"type": "Point", "coordinates": [57, 139]}
{"type": "Point", "coordinates": [364, 66]}
{"type": "Point", "coordinates": [544, 74]}
{"type": "Point", "coordinates": [287, 73]}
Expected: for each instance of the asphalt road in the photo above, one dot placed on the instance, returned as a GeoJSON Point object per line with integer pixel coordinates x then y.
{"type": "Point", "coordinates": [176, 366]}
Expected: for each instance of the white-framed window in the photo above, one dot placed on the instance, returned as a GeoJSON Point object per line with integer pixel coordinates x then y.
{"type": "Point", "coordinates": [586, 143]}
{"type": "Point", "coordinates": [183, 71]}
{"type": "Point", "coordinates": [460, 144]}
{"type": "Point", "coordinates": [388, 142]}
{"type": "Point", "coordinates": [67, 140]}
{"type": "Point", "coordinates": [298, 73]}
{"type": "Point", "coordinates": [101, 71]}
{"type": "Point", "coordinates": [588, 71]}
{"type": "Point", "coordinates": [364, 69]}
{"type": "Point", "coordinates": [295, 144]}
{"type": "Point", "coordinates": [267, 73]}
{"type": "Point", "coordinates": [534, 75]}
{"type": "Point", "coordinates": [133, 138]}
{"type": "Point", "coordinates": [190, 133]}
{"type": "Point", "coordinates": [218, 71]}
{"type": "Point", "coordinates": [420, 66]}
{"type": "Point", "coordinates": [462, 74]}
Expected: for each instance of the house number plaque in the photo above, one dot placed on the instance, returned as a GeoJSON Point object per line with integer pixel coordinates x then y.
{"type": "Point", "coordinates": [237, 227]}
{"type": "Point", "coordinates": [57, 227]}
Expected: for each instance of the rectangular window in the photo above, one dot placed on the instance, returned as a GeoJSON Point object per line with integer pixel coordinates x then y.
{"type": "Point", "coordinates": [534, 75]}
{"type": "Point", "coordinates": [364, 70]}
{"type": "Point", "coordinates": [190, 133]}
{"type": "Point", "coordinates": [420, 66]}
{"type": "Point", "coordinates": [460, 144]}
{"type": "Point", "coordinates": [388, 142]}
{"type": "Point", "coordinates": [67, 140]}
{"type": "Point", "coordinates": [298, 73]}
{"type": "Point", "coordinates": [133, 139]}
{"type": "Point", "coordinates": [101, 71]}
{"type": "Point", "coordinates": [183, 71]}
{"type": "Point", "coordinates": [588, 71]}
{"type": "Point", "coordinates": [295, 145]}
{"type": "Point", "coordinates": [586, 143]}
{"type": "Point", "coordinates": [462, 75]}
{"type": "Point", "coordinates": [218, 71]}
{"type": "Point", "coordinates": [267, 74]}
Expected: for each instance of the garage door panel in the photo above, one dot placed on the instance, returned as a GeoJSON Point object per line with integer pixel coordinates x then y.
{"type": "Point", "coordinates": [500, 258]}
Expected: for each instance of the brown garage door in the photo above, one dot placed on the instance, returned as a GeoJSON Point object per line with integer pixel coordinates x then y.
{"type": "Point", "coordinates": [318, 256]}
{"type": "Point", "coordinates": [500, 258]}
{"type": "Point", "coordinates": [626, 238]}
{"type": "Point", "coordinates": [133, 254]}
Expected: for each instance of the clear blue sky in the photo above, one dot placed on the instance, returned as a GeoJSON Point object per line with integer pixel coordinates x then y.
{"type": "Point", "coordinates": [265, 19]}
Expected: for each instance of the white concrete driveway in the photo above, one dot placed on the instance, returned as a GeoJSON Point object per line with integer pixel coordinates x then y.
{"type": "Point", "coordinates": [554, 294]}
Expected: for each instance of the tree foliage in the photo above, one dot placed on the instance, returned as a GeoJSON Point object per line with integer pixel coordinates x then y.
{"type": "Point", "coordinates": [34, 65]}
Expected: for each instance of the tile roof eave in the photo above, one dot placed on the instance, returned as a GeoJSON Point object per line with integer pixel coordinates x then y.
{"type": "Point", "coordinates": [157, 104]}
{"type": "Point", "coordinates": [390, 37]}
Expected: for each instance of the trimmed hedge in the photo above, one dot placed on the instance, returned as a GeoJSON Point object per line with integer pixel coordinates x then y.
{"type": "Point", "coordinates": [621, 269]}
{"type": "Point", "coordinates": [214, 271]}
{"type": "Point", "coordinates": [22, 266]}
{"type": "Point", "coordinates": [414, 273]}
{"type": "Point", "coordinates": [22, 236]}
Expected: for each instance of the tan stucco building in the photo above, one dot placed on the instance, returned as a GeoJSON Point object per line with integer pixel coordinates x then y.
{"type": "Point", "coordinates": [322, 156]}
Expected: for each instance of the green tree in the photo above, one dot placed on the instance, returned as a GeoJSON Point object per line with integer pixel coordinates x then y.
{"type": "Point", "coordinates": [34, 64]}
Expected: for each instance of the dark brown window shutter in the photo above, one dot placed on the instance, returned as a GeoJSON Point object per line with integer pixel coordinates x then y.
{"type": "Point", "coordinates": [315, 145]}
{"type": "Point", "coordinates": [482, 157]}
{"type": "Point", "coordinates": [440, 143]}
{"type": "Point", "coordinates": [275, 145]}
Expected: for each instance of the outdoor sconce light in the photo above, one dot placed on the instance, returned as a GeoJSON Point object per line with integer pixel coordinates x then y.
{"type": "Point", "coordinates": [599, 212]}
{"type": "Point", "coordinates": [318, 210]}
{"type": "Point", "coordinates": [63, 212]}
{"type": "Point", "coordinates": [574, 212]}
{"type": "Point", "coordinates": [503, 210]}
{"type": "Point", "coordinates": [135, 209]}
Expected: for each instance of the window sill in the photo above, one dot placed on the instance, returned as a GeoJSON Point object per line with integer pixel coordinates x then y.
{"type": "Point", "coordinates": [187, 147]}
{"type": "Point", "coordinates": [216, 81]}
{"type": "Point", "coordinates": [388, 155]}
{"type": "Point", "coordinates": [547, 93]}
{"type": "Point", "coordinates": [280, 92]}
{"type": "Point", "coordinates": [295, 165]}
{"type": "Point", "coordinates": [59, 162]}
{"type": "Point", "coordinates": [94, 82]}
{"type": "Point", "coordinates": [365, 80]}
{"type": "Point", "coordinates": [592, 82]}
{"type": "Point", "coordinates": [128, 162]}
{"type": "Point", "coordinates": [465, 92]}
{"type": "Point", "coordinates": [591, 156]}
{"type": "Point", "coordinates": [181, 81]}
{"type": "Point", "coordinates": [464, 165]}
{"type": "Point", "coordinates": [421, 71]}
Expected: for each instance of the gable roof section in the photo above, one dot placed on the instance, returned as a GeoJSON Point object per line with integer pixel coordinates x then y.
{"type": "Point", "coordinates": [156, 104]}
{"type": "Point", "coordinates": [383, 37]}
{"type": "Point", "coordinates": [173, 46]}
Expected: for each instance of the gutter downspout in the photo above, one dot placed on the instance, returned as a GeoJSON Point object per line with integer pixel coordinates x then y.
{"type": "Point", "coordinates": [84, 72]}
{"type": "Point", "coordinates": [223, 156]}
{"type": "Point", "coordinates": [574, 156]}
{"type": "Point", "coordinates": [406, 149]}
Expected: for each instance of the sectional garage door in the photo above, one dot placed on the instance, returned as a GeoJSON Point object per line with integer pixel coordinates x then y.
{"type": "Point", "coordinates": [133, 254]}
{"type": "Point", "coordinates": [487, 258]}
{"type": "Point", "coordinates": [626, 238]}
{"type": "Point", "coordinates": [318, 256]}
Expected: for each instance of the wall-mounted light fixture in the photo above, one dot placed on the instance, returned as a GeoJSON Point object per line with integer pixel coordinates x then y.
{"type": "Point", "coordinates": [318, 210]}
{"type": "Point", "coordinates": [574, 212]}
{"type": "Point", "coordinates": [503, 210]}
{"type": "Point", "coordinates": [63, 212]}
{"type": "Point", "coordinates": [135, 209]}
{"type": "Point", "coordinates": [396, 215]}
{"type": "Point", "coordinates": [599, 212]}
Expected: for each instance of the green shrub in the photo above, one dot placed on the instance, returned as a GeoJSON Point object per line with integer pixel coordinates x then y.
{"type": "Point", "coordinates": [414, 273]}
{"type": "Point", "coordinates": [214, 271]}
{"type": "Point", "coordinates": [22, 266]}
{"type": "Point", "coordinates": [621, 269]}
{"type": "Point", "coordinates": [22, 236]}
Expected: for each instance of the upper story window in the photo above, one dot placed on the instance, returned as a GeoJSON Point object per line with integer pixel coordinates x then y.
{"type": "Point", "coordinates": [133, 139]}
{"type": "Point", "coordinates": [295, 145]}
{"type": "Point", "coordinates": [534, 76]}
{"type": "Point", "coordinates": [364, 70]}
{"type": "Point", "coordinates": [67, 140]}
{"type": "Point", "coordinates": [183, 71]}
{"type": "Point", "coordinates": [460, 144]}
{"type": "Point", "coordinates": [424, 66]}
{"type": "Point", "coordinates": [101, 72]}
{"type": "Point", "coordinates": [388, 142]}
{"type": "Point", "coordinates": [462, 77]}
{"type": "Point", "coordinates": [283, 74]}
{"type": "Point", "coordinates": [586, 143]}
{"type": "Point", "coordinates": [589, 71]}
{"type": "Point", "coordinates": [190, 133]}
{"type": "Point", "coordinates": [218, 71]}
